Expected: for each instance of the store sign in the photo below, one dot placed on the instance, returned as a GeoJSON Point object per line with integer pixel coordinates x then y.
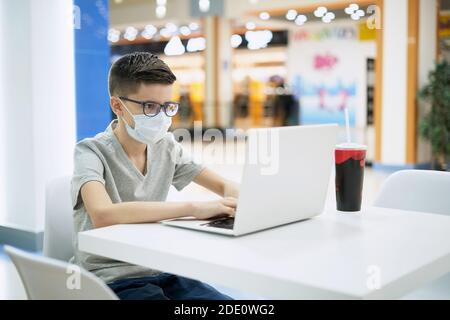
{"type": "Point", "coordinates": [322, 34]}
{"type": "Point", "coordinates": [326, 67]}
{"type": "Point", "coordinates": [327, 61]}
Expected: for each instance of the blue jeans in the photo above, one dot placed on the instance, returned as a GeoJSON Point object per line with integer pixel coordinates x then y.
{"type": "Point", "coordinates": [165, 286]}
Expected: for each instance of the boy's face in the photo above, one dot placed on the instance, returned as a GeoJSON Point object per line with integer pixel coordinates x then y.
{"type": "Point", "coordinates": [159, 93]}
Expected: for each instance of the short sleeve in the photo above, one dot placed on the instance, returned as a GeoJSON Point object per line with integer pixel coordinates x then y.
{"type": "Point", "coordinates": [87, 167]}
{"type": "Point", "coordinates": [185, 168]}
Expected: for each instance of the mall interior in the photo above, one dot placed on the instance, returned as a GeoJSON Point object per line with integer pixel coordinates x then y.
{"type": "Point", "coordinates": [240, 64]}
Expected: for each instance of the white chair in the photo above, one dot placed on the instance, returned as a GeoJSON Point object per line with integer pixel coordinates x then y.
{"type": "Point", "coordinates": [416, 190]}
{"type": "Point", "coordinates": [419, 190]}
{"type": "Point", "coordinates": [50, 279]}
{"type": "Point", "coordinates": [47, 277]}
{"type": "Point", "coordinates": [58, 220]}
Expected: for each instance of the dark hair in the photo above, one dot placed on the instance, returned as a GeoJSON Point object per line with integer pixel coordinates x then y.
{"type": "Point", "coordinates": [131, 70]}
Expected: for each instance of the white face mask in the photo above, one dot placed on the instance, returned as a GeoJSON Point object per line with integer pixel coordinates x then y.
{"type": "Point", "coordinates": [148, 130]}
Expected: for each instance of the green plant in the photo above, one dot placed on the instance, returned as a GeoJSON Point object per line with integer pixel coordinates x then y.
{"type": "Point", "coordinates": [435, 126]}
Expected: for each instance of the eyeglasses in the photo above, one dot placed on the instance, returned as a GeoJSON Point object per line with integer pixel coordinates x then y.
{"type": "Point", "coordinates": [151, 108]}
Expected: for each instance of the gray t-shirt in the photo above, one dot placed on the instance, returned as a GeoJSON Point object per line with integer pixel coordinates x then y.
{"type": "Point", "coordinates": [103, 159]}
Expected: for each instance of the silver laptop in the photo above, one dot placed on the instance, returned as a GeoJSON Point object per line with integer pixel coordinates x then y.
{"type": "Point", "coordinates": [285, 179]}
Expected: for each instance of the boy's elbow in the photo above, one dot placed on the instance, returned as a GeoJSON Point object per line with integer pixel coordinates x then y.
{"type": "Point", "coordinates": [102, 217]}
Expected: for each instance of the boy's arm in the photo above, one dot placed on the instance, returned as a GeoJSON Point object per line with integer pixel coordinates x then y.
{"type": "Point", "coordinates": [217, 184]}
{"type": "Point", "coordinates": [104, 213]}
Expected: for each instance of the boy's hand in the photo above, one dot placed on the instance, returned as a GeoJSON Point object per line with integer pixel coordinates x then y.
{"type": "Point", "coordinates": [218, 208]}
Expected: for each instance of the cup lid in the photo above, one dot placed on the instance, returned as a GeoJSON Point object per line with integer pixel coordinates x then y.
{"type": "Point", "coordinates": [351, 146]}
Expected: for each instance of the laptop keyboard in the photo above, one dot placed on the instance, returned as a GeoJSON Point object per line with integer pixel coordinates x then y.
{"type": "Point", "coordinates": [225, 223]}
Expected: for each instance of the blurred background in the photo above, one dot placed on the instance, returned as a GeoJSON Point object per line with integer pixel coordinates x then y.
{"type": "Point", "coordinates": [239, 63]}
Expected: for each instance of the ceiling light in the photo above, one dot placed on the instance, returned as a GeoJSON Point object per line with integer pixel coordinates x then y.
{"type": "Point", "coordinates": [171, 27]}
{"type": "Point", "coordinates": [164, 32]}
{"type": "Point", "coordinates": [185, 31]}
{"type": "Point", "coordinates": [204, 5]}
{"type": "Point", "coordinates": [161, 11]}
{"type": "Point", "coordinates": [113, 35]}
{"type": "Point", "coordinates": [193, 26]}
{"type": "Point", "coordinates": [236, 40]}
{"type": "Point", "coordinates": [320, 12]}
{"type": "Point", "coordinates": [330, 15]}
{"type": "Point", "coordinates": [264, 16]}
{"type": "Point", "coordinates": [355, 16]}
{"type": "Point", "coordinates": [250, 25]}
{"type": "Point", "coordinates": [354, 6]}
{"type": "Point", "coordinates": [301, 19]}
{"type": "Point", "coordinates": [196, 44]}
{"type": "Point", "coordinates": [258, 39]}
{"type": "Point", "coordinates": [131, 33]}
{"type": "Point", "coordinates": [349, 10]}
{"type": "Point", "coordinates": [151, 29]}
{"type": "Point", "coordinates": [291, 14]}
{"type": "Point", "coordinates": [174, 47]}
{"type": "Point", "coordinates": [146, 35]}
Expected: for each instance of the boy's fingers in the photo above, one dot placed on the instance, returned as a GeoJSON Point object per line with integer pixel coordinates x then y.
{"type": "Point", "coordinates": [229, 210]}
{"type": "Point", "coordinates": [231, 202]}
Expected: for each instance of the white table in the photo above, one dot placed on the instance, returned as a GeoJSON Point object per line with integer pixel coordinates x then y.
{"type": "Point", "coordinates": [377, 254]}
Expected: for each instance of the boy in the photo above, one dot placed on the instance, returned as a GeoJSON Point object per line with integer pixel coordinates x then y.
{"type": "Point", "coordinates": [123, 175]}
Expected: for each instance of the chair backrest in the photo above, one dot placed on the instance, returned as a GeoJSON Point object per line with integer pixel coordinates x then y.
{"type": "Point", "coordinates": [50, 279]}
{"type": "Point", "coordinates": [58, 220]}
{"type": "Point", "coordinates": [416, 190]}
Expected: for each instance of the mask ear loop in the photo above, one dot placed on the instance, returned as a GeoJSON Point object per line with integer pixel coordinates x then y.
{"type": "Point", "coordinates": [123, 105]}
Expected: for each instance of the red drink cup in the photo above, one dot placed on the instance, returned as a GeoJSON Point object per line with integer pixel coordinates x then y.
{"type": "Point", "coordinates": [350, 160]}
